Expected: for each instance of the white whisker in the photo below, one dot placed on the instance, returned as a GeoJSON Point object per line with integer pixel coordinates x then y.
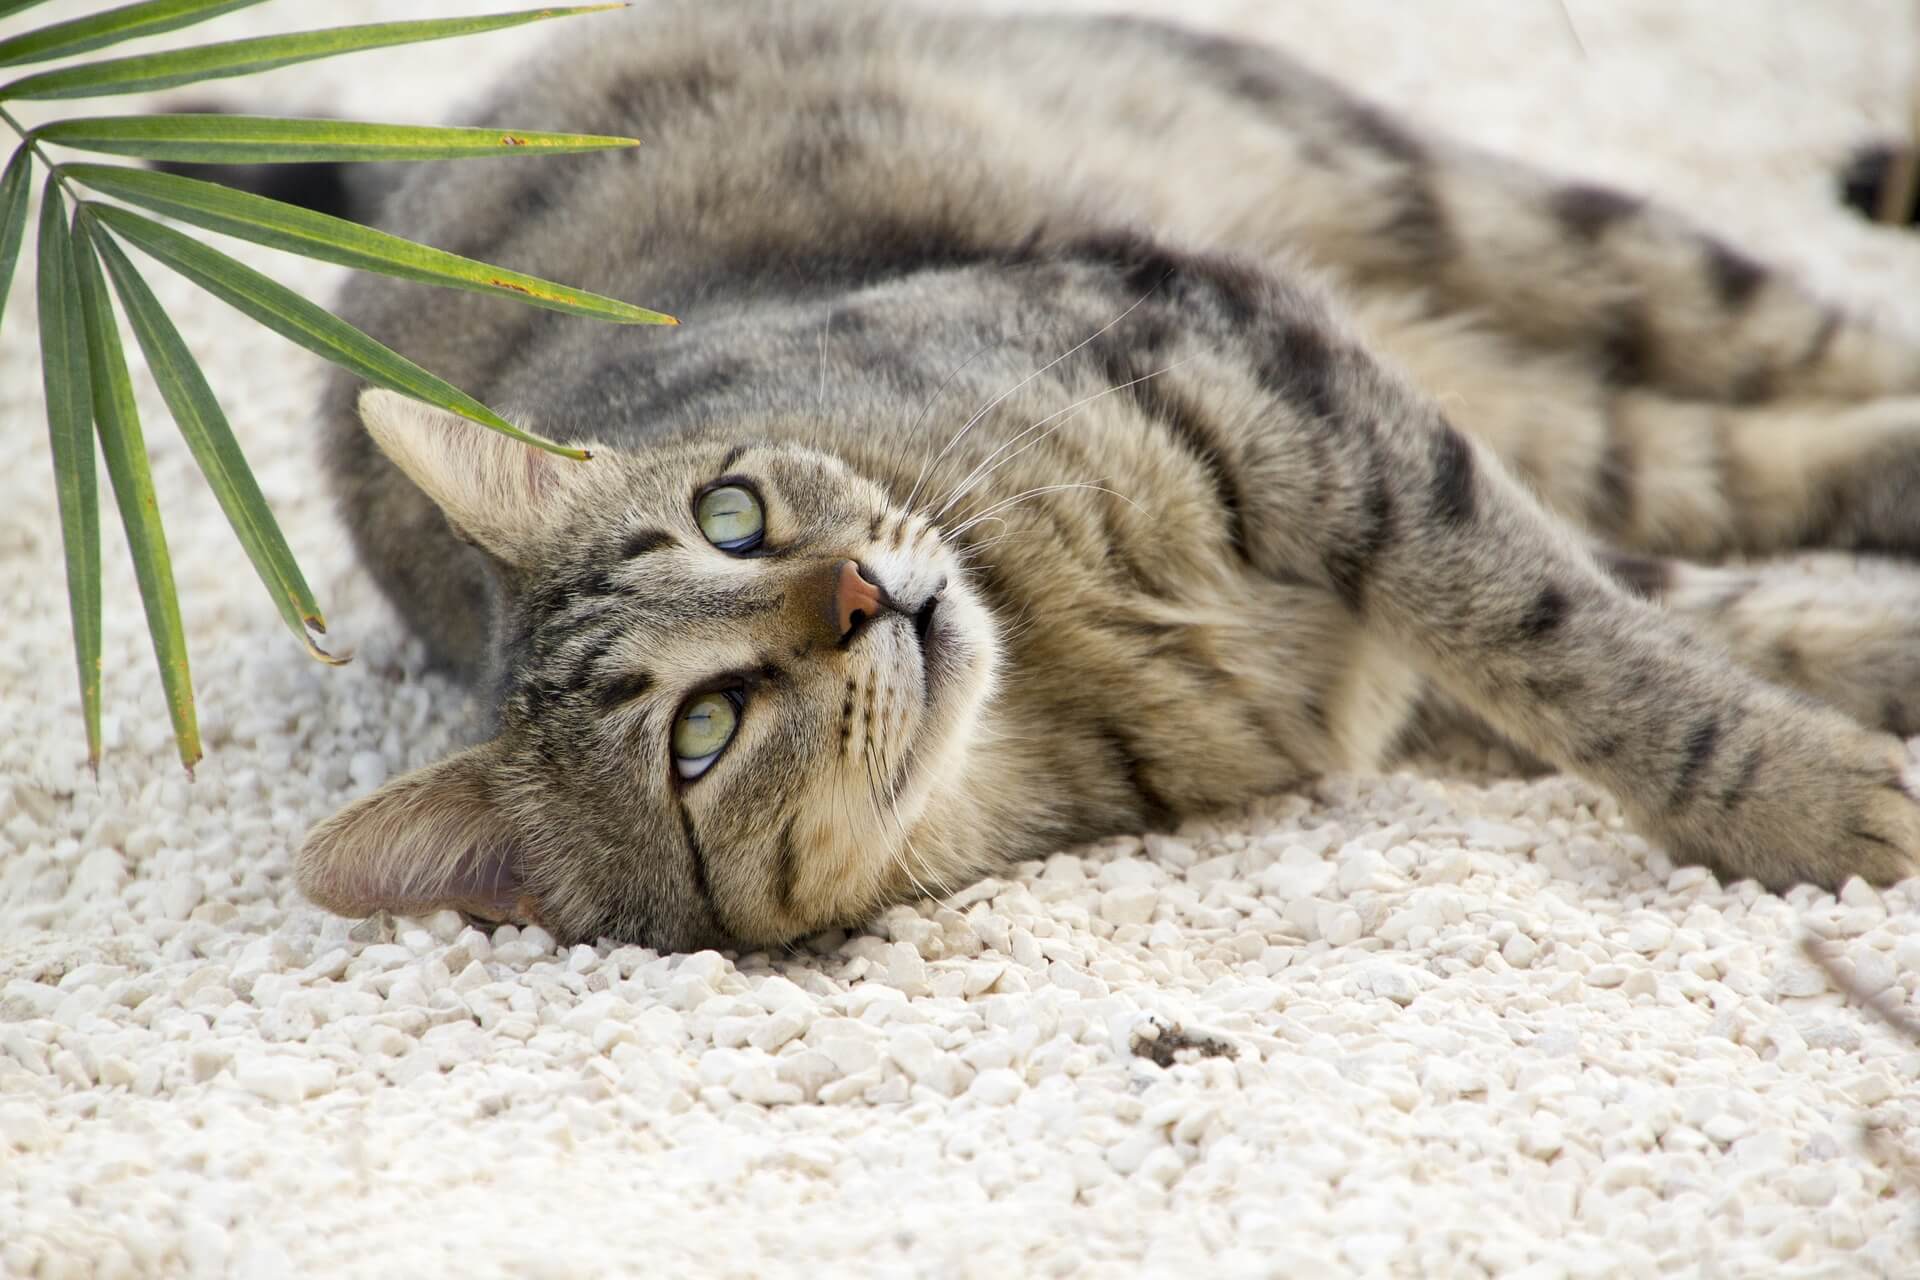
{"type": "Point", "coordinates": [994, 403]}
{"type": "Point", "coordinates": [1038, 491]}
{"type": "Point", "coordinates": [977, 476]}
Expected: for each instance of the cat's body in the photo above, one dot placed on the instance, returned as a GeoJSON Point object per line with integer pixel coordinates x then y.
{"type": "Point", "coordinates": [1025, 318]}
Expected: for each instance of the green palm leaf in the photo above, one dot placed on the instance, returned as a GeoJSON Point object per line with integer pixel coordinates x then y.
{"type": "Point", "coordinates": [13, 217]}
{"type": "Point", "coordinates": [153, 71]}
{"type": "Point", "coordinates": [317, 235]}
{"type": "Point", "coordinates": [117, 420]}
{"type": "Point", "coordinates": [223, 139]}
{"type": "Point", "coordinates": [300, 321]}
{"type": "Point", "coordinates": [128, 22]}
{"type": "Point", "coordinates": [211, 439]}
{"type": "Point", "coordinates": [63, 370]}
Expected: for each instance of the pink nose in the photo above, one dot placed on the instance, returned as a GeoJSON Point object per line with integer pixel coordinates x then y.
{"type": "Point", "coordinates": [854, 598]}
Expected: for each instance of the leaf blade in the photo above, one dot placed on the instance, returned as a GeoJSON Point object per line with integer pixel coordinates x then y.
{"type": "Point", "coordinates": [116, 420]}
{"type": "Point", "coordinates": [317, 235]}
{"type": "Point", "coordinates": [210, 438]}
{"type": "Point", "coordinates": [225, 139]}
{"type": "Point", "coordinates": [146, 73]}
{"type": "Point", "coordinates": [63, 354]}
{"type": "Point", "coordinates": [128, 22]}
{"type": "Point", "coordinates": [303, 323]}
{"type": "Point", "coordinates": [13, 216]}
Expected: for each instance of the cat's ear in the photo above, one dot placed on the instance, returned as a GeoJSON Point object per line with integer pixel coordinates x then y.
{"type": "Point", "coordinates": [497, 492]}
{"type": "Point", "coordinates": [436, 837]}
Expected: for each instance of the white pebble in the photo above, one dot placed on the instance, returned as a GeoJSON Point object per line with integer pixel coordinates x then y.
{"type": "Point", "coordinates": [997, 1087]}
{"type": "Point", "coordinates": [1129, 904]}
{"type": "Point", "coordinates": [368, 769]}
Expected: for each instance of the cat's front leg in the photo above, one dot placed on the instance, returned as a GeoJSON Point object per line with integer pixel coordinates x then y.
{"type": "Point", "coordinates": [1352, 480]}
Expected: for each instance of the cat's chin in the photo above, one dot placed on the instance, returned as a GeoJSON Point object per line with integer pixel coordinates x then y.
{"type": "Point", "coordinates": [959, 659]}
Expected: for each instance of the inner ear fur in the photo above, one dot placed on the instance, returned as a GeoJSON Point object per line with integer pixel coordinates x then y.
{"type": "Point", "coordinates": [431, 839]}
{"type": "Point", "coordinates": [498, 493]}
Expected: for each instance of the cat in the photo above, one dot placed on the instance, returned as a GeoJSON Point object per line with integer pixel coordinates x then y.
{"type": "Point", "coordinates": [1079, 423]}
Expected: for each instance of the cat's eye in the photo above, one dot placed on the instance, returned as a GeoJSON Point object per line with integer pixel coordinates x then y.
{"type": "Point", "coordinates": [702, 731]}
{"type": "Point", "coordinates": [730, 517]}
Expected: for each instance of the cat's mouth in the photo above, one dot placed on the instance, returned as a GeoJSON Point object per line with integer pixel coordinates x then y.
{"type": "Point", "coordinates": [929, 634]}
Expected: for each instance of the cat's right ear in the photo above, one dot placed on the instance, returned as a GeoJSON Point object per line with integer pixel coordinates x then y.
{"type": "Point", "coordinates": [437, 837]}
{"type": "Point", "coordinates": [497, 492]}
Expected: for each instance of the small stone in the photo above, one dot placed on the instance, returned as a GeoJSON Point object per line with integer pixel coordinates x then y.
{"type": "Point", "coordinates": [368, 769]}
{"type": "Point", "coordinates": [205, 1061]}
{"type": "Point", "coordinates": [1606, 975]}
{"type": "Point", "coordinates": [913, 1050]}
{"type": "Point", "coordinates": [997, 1087]}
{"type": "Point", "coordinates": [283, 1080]}
{"type": "Point", "coordinates": [1649, 936]}
{"type": "Point", "coordinates": [1833, 1035]}
{"type": "Point", "coordinates": [1339, 925]}
{"type": "Point", "coordinates": [1873, 971]}
{"type": "Point", "coordinates": [1202, 874]}
{"type": "Point", "coordinates": [776, 1029]}
{"type": "Point", "coordinates": [1129, 904]}
{"type": "Point", "coordinates": [1869, 1089]}
{"type": "Point", "coordinates": [1520, 951]}
{"type": "Point", "coordinates": [1361, 866]}
{"type": "Point", "coordinates": [23, 1128]}
{"type": "Point", "coordinates": [179, 896]}
{"type": "Point", "coordinates": [1725, 1128]}
{"type": "Point", "coordinates": [1500, 837]}
{"type": "Point", "coordinates": [906, 969]}
{"type": "Point", "coordinates": [1801, 980]}
{"type": "Point", "coordinates": [1812, 1187]}
{"type": "Point", "coordinates": [1543, 1138]}
{"type": "Point", "coordinates": [1858, 893]}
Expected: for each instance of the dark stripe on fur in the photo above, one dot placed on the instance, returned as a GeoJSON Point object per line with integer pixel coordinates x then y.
{"type": "Point", "coordinates": [1627, 350]}
{"type": "Point", "coordinates": [699, 860]}
{"type": "Point", "coordinates": [1191, 430]}
{"type": "Point", "coordinates": [641, 541]}
{"type": "Point", "coordinates": [786, 869]}
{"type": "Point", "coordinates": [1742, 783]}
{"type": "Point", "coordinates": [1453, 470]}
{"type": "Point", "coordinates": [1546, 613]}
{"type": "Point", "coordinates": [1736, 278]}
{"type": "Point", "coordinates": [1587, 210]}
{"type": "Point", "coordinates": [1702, 741]}
{"type": "Point", "coordinates": [1300, 369]}
{"type": "Point", "coordinates": [619, 692]}
{"type": "Point", "coordinates": [1613, 484]}
{"type": "Point", "coordinates": [1155, 811]}
{"type": "Point", "coordinates": [1349, 567]}
{"type": "Point", "coordinates": [1644, 576]}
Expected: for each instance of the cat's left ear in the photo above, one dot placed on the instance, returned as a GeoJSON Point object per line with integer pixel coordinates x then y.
{"type": "Point", "coordinates": [437, 837]}
{"type": "Point", "coordinates": [497, 492]}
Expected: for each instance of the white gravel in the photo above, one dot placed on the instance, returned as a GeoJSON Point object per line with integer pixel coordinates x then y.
{"type": "Point", "coordinates": [1400, 1026]}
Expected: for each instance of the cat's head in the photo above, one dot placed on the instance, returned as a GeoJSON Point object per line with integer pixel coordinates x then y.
{"type": "Point", "coordinates": [739, 681]}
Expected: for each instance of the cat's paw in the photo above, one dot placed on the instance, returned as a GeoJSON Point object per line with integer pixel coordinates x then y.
{"type": "Point", "coordinates": [1819, 799]}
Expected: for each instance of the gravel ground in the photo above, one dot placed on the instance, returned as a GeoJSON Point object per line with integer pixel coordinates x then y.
{"type": "Point", "coordinates": [1405, 1025]}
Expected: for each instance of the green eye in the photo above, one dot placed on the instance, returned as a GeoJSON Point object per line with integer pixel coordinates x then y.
{"type": "Point", "coordinates": [730, 517]}
{"type": "Point", "coordinates": [702, 731]}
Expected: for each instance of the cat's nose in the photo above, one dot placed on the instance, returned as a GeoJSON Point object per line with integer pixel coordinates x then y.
{"type": "Point", "coordinates": [855, 600]}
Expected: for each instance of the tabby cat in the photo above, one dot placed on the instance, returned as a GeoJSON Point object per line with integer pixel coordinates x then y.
{"type": "Point", "coordinates": [1080, 423]}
